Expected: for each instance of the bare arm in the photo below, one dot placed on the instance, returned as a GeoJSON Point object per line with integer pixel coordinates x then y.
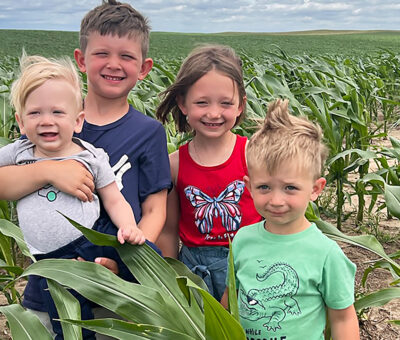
{"type": "Point", "coordinates": [153, 215]}
{"type": "Point", "coordinates": [168, 240]}
{"type": "Point", "coordinates": [68, 176]}
{"type": "Point", "coordinates": [344, 324]}
{"type": "Point", "coordinates": [224, 299]}
{"type": "Point", "coordinates": [153, 218]}
{"type": "Point", "coordinates": [120, 212]}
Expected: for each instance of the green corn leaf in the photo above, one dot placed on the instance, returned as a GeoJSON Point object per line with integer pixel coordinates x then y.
{"type": "Point", "coordinates": [11, 230]}
{"type": "Point", "coordinates": [94, 236]}
{"type": "Point", "coordinates": [364, 154]}
{"type": "Point", "coordinates": [133, 302]}
{"type": "Point", "coordinates": [24, 325]}
{"type": "Point", "coordinates": [232, 298]}
{"type": "Point", "coordinates": [379, 298]}
{"type": "Point", "coordinates": [392, 199]}
{"type": "Point", "coordinates": [395, 322]}
{"type": "Point", "coordinates": [367, 242]}
{"type": "Point", "coordinates": [67, 307]}
{"type": "Point", "coordinates": [220, 325]}
{"type": "Point", "coordinates": [151, 270]}
{"type": "Point", "coordinates": [123, 330]}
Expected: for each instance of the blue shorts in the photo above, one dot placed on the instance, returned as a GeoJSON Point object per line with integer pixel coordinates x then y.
{"type": "Point", "coordinates": [210, 263]}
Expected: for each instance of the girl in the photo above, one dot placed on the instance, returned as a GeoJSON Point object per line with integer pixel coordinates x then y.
{"type": "Point", "coordinates": [209, 201]}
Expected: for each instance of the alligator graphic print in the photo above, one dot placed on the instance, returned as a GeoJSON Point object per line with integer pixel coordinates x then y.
{"type": "Point", "coordinates": [274, 302]}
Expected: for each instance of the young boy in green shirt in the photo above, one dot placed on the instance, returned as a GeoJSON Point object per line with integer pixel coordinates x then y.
{"type": "Point", "coordinates": [288, 274]}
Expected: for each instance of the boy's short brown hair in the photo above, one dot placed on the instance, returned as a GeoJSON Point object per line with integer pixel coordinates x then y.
{"type": "Point", "coordinates": [115, 18]}
{"type": "Point", "coordinates": [284, 138]}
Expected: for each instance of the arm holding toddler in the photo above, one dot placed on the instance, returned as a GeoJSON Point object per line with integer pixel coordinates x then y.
{"type": "Point", "coordinates": [344, 323]}
{"type": "Point", "coordinates": [68, 176]}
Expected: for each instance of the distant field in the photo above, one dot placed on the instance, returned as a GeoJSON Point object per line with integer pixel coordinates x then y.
{"type": "Point", "coordinates": [176, 45]}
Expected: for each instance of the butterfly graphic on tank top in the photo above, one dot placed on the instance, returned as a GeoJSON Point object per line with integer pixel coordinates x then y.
{"type": "Point", "coordinates": [226, 205]}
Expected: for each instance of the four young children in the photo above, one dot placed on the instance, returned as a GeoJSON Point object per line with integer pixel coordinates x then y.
{"type": "Point", "coordinates": [287, 272]}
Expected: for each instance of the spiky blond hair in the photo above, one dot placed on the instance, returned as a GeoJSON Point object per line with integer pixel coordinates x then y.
{"type": "Point", "coordinates": [284, 139]}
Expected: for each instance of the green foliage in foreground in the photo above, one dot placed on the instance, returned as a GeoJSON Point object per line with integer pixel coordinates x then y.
{"type": "Point", "coordinates": [170, 303]}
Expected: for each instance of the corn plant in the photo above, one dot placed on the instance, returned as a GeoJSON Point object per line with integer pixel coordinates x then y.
{"type": "Point", "coordinates": [170, 303]}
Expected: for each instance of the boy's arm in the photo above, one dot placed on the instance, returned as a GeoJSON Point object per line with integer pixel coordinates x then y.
{"type": "Point", "coordinates": [168, 241]}
{"type": "Point", "coordinates": [224, 298]}
{"type": "Point", "coordinates": [153, 215]}
{"type": "Point", "coordinates": [121, 214]}
{"type": "Point", "coordinates": [344, 323]}
{"type": "Point", "coordinates": [68, 176]}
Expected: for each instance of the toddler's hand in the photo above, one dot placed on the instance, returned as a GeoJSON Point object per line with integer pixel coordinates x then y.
{"type": "Point", "coordinates": [132, 234]}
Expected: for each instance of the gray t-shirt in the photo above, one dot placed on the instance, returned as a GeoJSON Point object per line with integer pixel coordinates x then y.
{"type": "Point", "coordinates": [44, 229]}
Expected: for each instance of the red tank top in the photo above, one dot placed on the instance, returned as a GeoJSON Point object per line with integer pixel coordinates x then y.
{"type": "Point", "coordinates": [214, 202]}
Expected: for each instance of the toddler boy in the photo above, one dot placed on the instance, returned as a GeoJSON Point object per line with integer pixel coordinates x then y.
{"type": "Point", "coordinates": [288, 274]}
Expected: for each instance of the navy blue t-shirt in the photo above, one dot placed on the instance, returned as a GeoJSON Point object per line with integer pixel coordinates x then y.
{"type": "Point", "coordinates": [137, 147]}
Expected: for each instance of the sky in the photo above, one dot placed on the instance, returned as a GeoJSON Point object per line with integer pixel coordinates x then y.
{"type": "Point", "coordinates": [210, 16]}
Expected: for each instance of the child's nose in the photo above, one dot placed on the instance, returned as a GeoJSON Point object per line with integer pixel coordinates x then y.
{"type": "Point", "coordinates": [214, 111]}
{"type": "Point", "coordinates": [276, 198]}
{"type": "Point", "coordinates": [113, 62]}
{"type": "Point", "coordinates": [46, 119]}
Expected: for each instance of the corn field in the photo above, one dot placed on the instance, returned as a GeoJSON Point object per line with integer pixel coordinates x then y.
{"type": "Point", "coordinates": [356, 101]}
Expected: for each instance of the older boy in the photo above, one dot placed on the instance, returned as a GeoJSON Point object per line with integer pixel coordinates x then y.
{"type": "Point", "coordinates": [287, 272]}
{"type": "Point", "coordinates": [114, 41]}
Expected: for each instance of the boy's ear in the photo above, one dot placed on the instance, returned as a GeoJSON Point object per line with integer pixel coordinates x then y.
{"type": "Point", "coordinates": [247, 183]}
{"type": "Point", "coordinates": [318, 186]}
{"type": "Point", "coordinates": [146, 68]}
{"type": "Point", "coordinates": [79, 121]}
{"type": "Point", "coordinates": [20, 123]}
{"type": "Point", "coordinates": [80, 59]}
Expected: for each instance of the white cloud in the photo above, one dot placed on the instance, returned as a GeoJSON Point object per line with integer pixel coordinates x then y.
{"type": "Point", "coordinates": [213, 15]}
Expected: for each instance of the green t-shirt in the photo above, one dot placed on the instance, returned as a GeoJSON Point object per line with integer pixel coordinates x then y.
{"type": "Point", "coordinates": [284, 282]}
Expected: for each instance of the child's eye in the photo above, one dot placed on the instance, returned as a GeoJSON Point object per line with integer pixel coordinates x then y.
{"type": "Point", "coordinates": [127, 56]}
{"type": "Point", "coordinates": [263, 187]}
{"type": "Point", "coordinates": [58, 112]}
{"type": "Point", "coordinates": [101, 54]}
{"type": "Point", "coordinates": [201, 103]}
{"type": "Point", "coordinates": [291, 188]}
{"type": "Point", "coordinates": [33, 113]}
{"type": "Point", "coordinates": [227, 103]}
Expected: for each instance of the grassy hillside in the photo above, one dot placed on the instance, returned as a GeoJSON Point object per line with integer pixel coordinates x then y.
{"type": "Point", "coordinates": [176, 45]}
